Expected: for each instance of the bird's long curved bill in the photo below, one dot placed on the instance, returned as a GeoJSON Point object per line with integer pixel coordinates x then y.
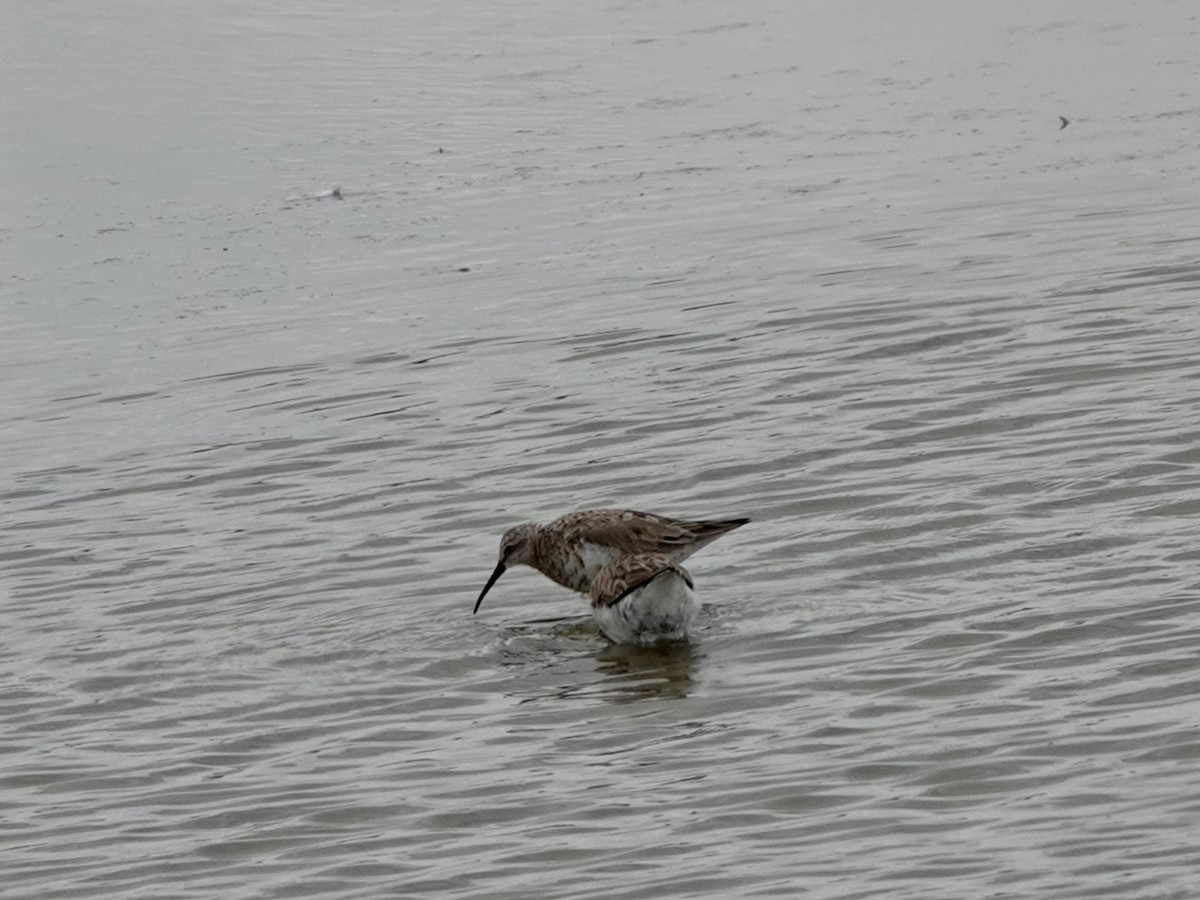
{"type": "Point", "coordinates": [487, 587]}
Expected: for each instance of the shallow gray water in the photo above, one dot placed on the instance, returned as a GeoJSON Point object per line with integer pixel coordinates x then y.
{"type": "Point", "coordinates": [835, 266]}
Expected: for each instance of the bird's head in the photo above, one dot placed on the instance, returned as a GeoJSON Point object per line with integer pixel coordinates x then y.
{"type": "Point", "coordinates": [516, 548]}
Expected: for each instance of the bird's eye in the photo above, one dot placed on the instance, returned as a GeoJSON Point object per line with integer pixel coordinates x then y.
{"type": "Point", "coordinates": [510, 549]}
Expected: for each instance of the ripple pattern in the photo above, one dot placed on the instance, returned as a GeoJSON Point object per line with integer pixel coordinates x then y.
{"type": "Point", "coordinates": [261, 438]}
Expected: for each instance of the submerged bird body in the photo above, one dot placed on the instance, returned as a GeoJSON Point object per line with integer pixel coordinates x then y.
{"type": "Point", "coordinates": [644, 600]}
{"type": "Point", "coordinates": [627, 560]}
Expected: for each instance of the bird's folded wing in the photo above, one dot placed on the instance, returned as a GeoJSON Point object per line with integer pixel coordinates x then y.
{"type": "Point", "coordinates": [634, 532]}
{"type": "Point", "coordinates": [621, 578]}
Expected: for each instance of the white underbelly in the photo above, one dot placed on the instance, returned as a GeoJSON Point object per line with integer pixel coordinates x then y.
{"type": "Point", "coordinates": [662, 610]}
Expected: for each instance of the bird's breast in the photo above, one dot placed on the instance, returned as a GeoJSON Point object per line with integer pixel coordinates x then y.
{"type": "Point", "coordinates": [574, 565]}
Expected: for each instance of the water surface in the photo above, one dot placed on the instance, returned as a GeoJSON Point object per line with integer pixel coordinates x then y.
{"type": "Point", "coordinates": [304, 304]}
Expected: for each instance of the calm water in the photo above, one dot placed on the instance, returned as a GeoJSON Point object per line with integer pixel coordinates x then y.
{"type": "Point", "coordinates": [835, 266]}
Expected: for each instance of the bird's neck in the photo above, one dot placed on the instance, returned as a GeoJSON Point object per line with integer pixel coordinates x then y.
{"type": "Point", "coordinates": [535, 548]}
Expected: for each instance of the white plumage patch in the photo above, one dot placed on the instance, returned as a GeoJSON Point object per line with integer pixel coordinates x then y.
{"type": "Point", "coordinates": [661, 610]}
{"type": "Point", "coordinates": [595, 557]}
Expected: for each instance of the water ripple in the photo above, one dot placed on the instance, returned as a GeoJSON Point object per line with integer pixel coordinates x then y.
{"type": "Point", "coordinates": [261, 437]}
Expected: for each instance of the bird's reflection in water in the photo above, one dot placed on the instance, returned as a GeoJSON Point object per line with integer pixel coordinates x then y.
{"type": "Point", "coordinates": [637, 673]}
{"type": "Point", "coordinates": [558, 650]}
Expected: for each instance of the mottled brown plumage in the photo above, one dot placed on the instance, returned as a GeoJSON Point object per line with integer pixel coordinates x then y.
{"type": "Point", "coordinates": [572, 549]}
{"type": "Point", "coordinates": [616, 580]}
